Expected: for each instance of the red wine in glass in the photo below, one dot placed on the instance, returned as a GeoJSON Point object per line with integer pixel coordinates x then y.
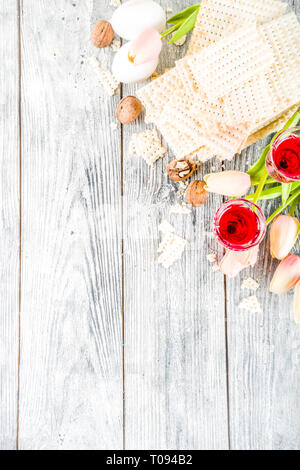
{"type": "Point", "coordinates": [239, 225]}
{"type": "Point", "coordinates": [283, 159]}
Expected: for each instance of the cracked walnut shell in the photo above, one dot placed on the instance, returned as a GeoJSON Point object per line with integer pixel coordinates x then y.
{"type": "Point", "coordinates": [180, 170]}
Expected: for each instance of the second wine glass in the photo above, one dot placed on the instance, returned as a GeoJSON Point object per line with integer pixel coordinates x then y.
{"type": "Point", "coordinates": [283, 159]}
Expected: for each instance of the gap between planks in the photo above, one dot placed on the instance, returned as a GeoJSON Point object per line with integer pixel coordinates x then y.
{"type": "Point", "coordinates": [122, 272]}
{"type": "Point", "coordinates": [227, 361]}
{"type": "Point", "coordinates": [226, 349]}
{"type": "Point", "coordinates": [20, 211]}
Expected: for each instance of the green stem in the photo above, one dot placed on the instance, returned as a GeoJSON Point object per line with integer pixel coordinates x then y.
{"type": "Point", "coordinates": [274, 192]}
{"type": "Point", "coordinates": [283, 206]}
{"type": "Point", "coordinates": [269, 181]}
{"type": "Point", "coordinates": [260, 186]}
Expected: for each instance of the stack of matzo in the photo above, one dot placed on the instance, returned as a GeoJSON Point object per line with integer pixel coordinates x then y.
{"type": "Point", "coordinates": [239, 81]}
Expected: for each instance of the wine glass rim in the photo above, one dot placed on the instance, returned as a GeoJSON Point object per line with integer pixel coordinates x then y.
{"type": "Point", "coordinates": [260, 216]}
{"type": "Point", "coordinates": [273, 146]}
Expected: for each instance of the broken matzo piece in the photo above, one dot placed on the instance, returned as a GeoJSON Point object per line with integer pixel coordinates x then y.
{"type": "Point", "coordinates": [107, 80]}
{"type": "Point", "coordinates": [171, 248]}
{"type": "Point", "coordinates": [165, 227]}
{"type": "Point", "coordinates": [251, 303]}
{"type": "Point", "coordinates": [211, 257]}
{"type": "Point", "coordinates": [250, 284]}
{"type": "Point", "coordinates": [147, 145]}
{"type": "Point", "coordinates": [179, 209]}
{"type": "Point", "coordinates": [116, 44]}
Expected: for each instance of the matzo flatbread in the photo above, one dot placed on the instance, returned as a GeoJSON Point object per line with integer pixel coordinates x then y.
{"type": "Point", "coordinates": [263, 99]}
{"type": "Point", "coordinates": [155, 94]}
{"type": "Point", "coordinates": [226, 65]}
{"type": "Point", "coordinates": [274, 126]}
{"type": "Point", "coordinates": [219, 18]}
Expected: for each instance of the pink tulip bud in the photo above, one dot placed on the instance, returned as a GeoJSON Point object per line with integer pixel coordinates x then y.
{"type": "Point", "coordinates": [286, 275]}
{"type": "Point", "coordinates": [145, 48]}
{"type": "Point", "coordinates": [297, 303]}
{"type": "Point", "coordinates": [228, 183]}
{"type": "Point", "coordinates": [283, 235]}
{"type": "Point", "coordinates": [234, 261]}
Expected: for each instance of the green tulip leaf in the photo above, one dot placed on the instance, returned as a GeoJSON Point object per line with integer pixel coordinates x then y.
{"type": "Point", "coordinates": [295, 194]}
{"type": "Point", "coordinates": [185, 28]}
{"type": "Point", "coordinates": [184, 14]}
{"type": "Point", "coordinates": [271, 193]}
{"type": "Point", "coordinates": [285, 191]}
{"type": "Point", "coordinates": [170, 30]}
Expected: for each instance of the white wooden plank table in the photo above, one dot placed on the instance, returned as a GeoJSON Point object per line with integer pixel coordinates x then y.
{"type": "Point", "coordinates": [101, 348]}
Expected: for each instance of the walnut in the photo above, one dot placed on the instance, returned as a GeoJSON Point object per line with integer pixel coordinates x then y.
{"type": "Point", "coordinates": [128, 109]}
{"type": "Point", "coordinates": [102, 34]}
{"type": "Point", "coordinates": [180, 170]}
{"type": "Point", "coordinates": [195, 193]}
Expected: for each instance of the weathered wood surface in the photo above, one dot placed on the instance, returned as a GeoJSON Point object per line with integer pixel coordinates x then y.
{"type": "Point", "coordinates": [175, 363]}
{"type": "Point", "coordinates": [78, 293]}
{"type": "Point", "coordinates": [9, 228]}
{"type": "Point", "coordinates": [264, 354]}
{"type": "Point", "coordinates": [71, 342]}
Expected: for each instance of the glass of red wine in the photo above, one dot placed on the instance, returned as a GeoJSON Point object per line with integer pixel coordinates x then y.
{"type": "Point", "coordinates": [239, 225]}
{"type": "Point", "coordinates": [283, 159]}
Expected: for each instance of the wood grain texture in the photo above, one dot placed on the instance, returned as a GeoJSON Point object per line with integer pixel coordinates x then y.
{"type": "Point", "coordinates": [9, 227]}
{"type": "Point", "coordinates": [71, 346]}
{"type": "Point", "coordinates": [264, 353]}
{"type": "Point", "coordinates": [175, 373]}
{"type": "Point", "coordinates": [75, 169]}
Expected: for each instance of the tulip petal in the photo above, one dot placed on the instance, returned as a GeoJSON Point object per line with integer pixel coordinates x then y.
{"type": "Point", "coordinates": [296, 307]}
{"type": "Point", "coordinates": [286, 275]}
{"type": "Point", "coordinates": [283, 235]}
{"type": "Point", "coordinates": [234, 261]}
{"type": "Point", "coordinates": [127, 72]}
{"type": "Point", "coordinates": [228, 183]}
{"type": "Point", "coordinates": [134, 16]}
{"type": "Point", "coordinates": [145, 48]}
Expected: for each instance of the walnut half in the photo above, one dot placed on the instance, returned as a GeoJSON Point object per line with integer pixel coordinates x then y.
{"type": "Point", "coordinates": [180, 170]}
